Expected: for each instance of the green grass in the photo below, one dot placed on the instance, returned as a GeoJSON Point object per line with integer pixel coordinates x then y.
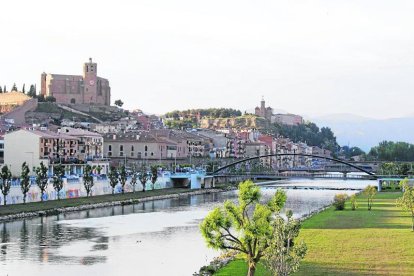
{"type": "Point", "coordinates": [71, 202]}
{"type": "Point", "coordinates": [239, 267]}
{"type": "Point", "coordinates": [360, 242]}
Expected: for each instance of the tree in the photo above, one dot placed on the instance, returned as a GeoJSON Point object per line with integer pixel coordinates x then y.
{"type": "Point", "coordinates": [370, 192]}
{"type": "Point", "coordinates": [113, 178]}
{"type": "Point", "coordinates": [4, 89]}
{"type": "Point", "coordinates": [41, 179]}
{"type": "Point", "coordinates": [283, 255]}
{"type": "Point", "coordinates": [24, 88]}
{"type": "Point", "coordinates": [154, 175]}
{"type": "Point", "coordinates": [406, 202]}
{"type": "Point", "coordinates": [57, 181]}
{"type": "Point", "coordinates": [32, 91]}
{"type": "Point", "coordinates": [99, 169]}
{"type": "Point", "coordinates": [247, 228]}
{"type": "Point", "coordinates": [354, 203]}
{"type": "Point", "coordinates": [1, 90]}
{"type": "Point", "coordinates": [134, 178]}
{"type": "Point", "coordinates": [25, 180]}
{"type": "Point", "coordinates": [122, 175]}
{"type": "Point", "coordinates": [119, 103]}
{"type": "Point", "coordinates": [50, 99]}
{"type": "Point", "coordinates": [143, 177]}
{"type": "Point", "coordinates": [5, 183]}
{"type": "Point", "coordinates": [88, 180]}
{"type": "Point", "coordinates": [14, 88]}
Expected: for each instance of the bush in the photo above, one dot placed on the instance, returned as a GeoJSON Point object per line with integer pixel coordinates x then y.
{"type": "Point", "coordinates": [354, 203]}
{"type": "Point", "coordinates": [339, 201]}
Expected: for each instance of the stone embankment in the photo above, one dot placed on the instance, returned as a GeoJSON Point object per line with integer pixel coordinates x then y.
{"type": "Point", "coordinates": [55, 211]}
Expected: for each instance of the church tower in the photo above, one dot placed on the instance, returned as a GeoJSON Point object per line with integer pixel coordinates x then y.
{"type": "Point", "coordinates": [90, 77]}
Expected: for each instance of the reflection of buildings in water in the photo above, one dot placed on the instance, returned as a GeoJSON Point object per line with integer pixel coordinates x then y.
{"type": "Point", "coordinates": [39, 239]}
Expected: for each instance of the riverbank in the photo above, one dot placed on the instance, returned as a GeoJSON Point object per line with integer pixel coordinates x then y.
{"type": "Point", "coordinates": [361, 242]}
{"type": "Point", "coordinates": [54, 207]}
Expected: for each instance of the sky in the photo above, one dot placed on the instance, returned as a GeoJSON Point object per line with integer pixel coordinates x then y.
{"type": "Point", "coordinates": [305, 57]}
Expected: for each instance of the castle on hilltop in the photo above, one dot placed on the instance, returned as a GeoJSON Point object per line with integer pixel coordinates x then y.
{"type": "Point", "coordinates": [76, 89]}
{"type": "Point", "coordinates": [263, 111]}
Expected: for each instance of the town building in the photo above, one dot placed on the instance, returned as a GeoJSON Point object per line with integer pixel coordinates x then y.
{"type": "Point", "coordinates": [35, 146]}
{"type": "Point", "coordinates": [73, 149]}
{"type": "Point", "coordinates": [287, 119]}
{"type": "Point", "coordinates": [90, 143]}
{"type": "Point", "coordinates": [77, 89]}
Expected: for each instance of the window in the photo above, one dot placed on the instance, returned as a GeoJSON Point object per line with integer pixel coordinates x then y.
{"type": "Point", "coordinates": [109, 153]}
{"type": "Point", "coordinates": [132, 154]}
{"type": "Point", "coordinates": [152, 154]}
{"type": "Point", "coordinates": [146, 154]}
{"type": "Point", "coordinates": [109, 147]}
{"type": "Point", "coordinates": [146, 148]}
{"type": "Point", "coordinates": [121, 148]}
{"type": "Point", "coordinates": [132, 148]}
{"type": "Point", "coordinates": [121, 154]}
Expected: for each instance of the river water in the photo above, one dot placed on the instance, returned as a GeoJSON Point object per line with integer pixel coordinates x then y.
{"type": "Point", "coordinates": [152, 238]}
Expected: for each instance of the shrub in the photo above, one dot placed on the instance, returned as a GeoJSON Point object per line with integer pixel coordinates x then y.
{"type": "Point", "coordinates": [354, 203]}
{"type": "Point", "coordinates": [339, 201]}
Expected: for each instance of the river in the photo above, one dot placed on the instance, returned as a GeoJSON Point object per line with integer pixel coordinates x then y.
{"type": "Point", "coordinates": [151, 238]}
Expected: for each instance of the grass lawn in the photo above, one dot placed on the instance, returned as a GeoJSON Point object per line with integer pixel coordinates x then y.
{"type": "Point", "coordinates": [361, 242]}
{"type": "Point", "coordinates": [239, 268]}
{"type": "Point", "coordinates": [71, 202]}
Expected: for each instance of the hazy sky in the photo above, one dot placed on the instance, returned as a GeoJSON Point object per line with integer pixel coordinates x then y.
{"type": "Point", "coordinates": [307, 57]}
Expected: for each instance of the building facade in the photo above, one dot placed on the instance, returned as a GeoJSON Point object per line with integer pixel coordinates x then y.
{"type": "Point", "coordinates": [77, 89]}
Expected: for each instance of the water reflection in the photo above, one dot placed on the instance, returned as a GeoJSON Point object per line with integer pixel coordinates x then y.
{"type": "Point", "coordinates": [159, 237]}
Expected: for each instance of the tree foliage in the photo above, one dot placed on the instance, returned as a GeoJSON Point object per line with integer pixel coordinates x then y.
{"type": "Point", "coordinates": [406, 202]}
{"type": "Point", "coordinates": [88, 180]}
{"type": "Point", "coordinates": [209, 112]}
{"type": "Point", "coordinates": [57, 181]}
{"type": "Point", "coordinates": [122, 176]}
{"type": "Point", "coordinates": [134, 178]}
{"type": "Point", "coordinates": [247, 227]}
{"type": "Point", "coordinates": [392, 151]}
{"type": "Point", "coordinates": [284, 255]}
{"type": "Point", "coordinates": [41, 179]}
{"type": "Point", "coordinates": [119, 103]}
{"type": "Point", "coordinates": [339, 201]}
{"type": "Point", "coordinates": [308, 133]}
{"type": "Point", "coordinates": [25, 180]}
{"type": "Point", "coordinates": [370, 192]}
{"type": "Point", "coordinates": [113, 178]}
{"type": "Point", "coordinates": [5, 183]}
{"type": "Point", "coordinates": [154, 175]}
{"type": "Point", "coordinates": [143, 177]}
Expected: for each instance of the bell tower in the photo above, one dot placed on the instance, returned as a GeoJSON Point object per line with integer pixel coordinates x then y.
{"type": "Point", "coordinates": [90, 71]}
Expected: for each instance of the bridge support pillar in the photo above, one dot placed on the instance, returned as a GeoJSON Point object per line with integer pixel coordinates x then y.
{"type": "Point", "coordinates": [379, 185]}
{"type": "Point", "coordinates": [195, 182]}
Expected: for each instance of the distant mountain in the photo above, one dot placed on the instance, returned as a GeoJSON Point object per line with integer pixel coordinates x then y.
{"type": "Point", "coordinates": [366, 132]}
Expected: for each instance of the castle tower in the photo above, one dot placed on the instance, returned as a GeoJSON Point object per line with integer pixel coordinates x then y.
{"type": "Point", "coordinates": [262, 105]}
{"type": "Point", "coordinates": [43, 84]}
{"type": "Point", "coordinates": [90, 77]}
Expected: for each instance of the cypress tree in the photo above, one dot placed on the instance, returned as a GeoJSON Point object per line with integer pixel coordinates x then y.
{"type": "Point", "coordinates": [23, 89]}
{"type": "Point", "coordinates": [14, 88]}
